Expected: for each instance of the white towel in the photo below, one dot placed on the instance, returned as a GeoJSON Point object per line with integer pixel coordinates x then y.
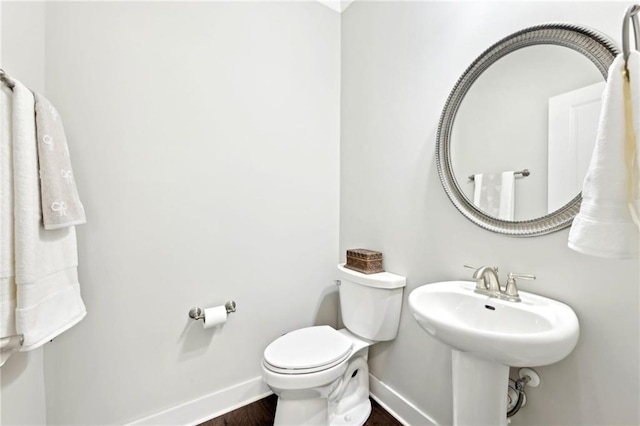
{"type": "Point", "coordinates": [633, 144]}
{"type": "Point", "coordinates": [7, 274]}
{"type": "Point", "coordinates": [494, 194]}
{"type": "Point", "coordinates": [604, 226]}
{"type": "Point", "coordinates": [48, 298]}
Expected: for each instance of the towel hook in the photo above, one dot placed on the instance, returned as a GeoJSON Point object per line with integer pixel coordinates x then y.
{"type": "Point", "coordinates": [631, 13]}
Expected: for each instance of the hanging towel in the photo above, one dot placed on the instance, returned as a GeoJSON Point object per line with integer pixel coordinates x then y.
{"type": "Point", "coordinates": [604, 225]}
{"type": "Point", "coordinates": [61, 206]}
{"type": "Point", "coordinates": [48, 298]}
{"type": "Point", "coordinates": [494, 194]}
{"type": "Point", "coordinates": [7, 274]}
{"type": "Point", "coordinates": [632, 136]}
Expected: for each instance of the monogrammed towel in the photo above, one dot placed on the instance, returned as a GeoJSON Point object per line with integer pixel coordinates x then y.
{"type": "Point", "coordinates": [61, 206]}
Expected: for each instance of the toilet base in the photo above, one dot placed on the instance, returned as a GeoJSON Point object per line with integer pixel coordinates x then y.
{"type": "Point", "coordinates": [326, 398]}
{"type": "Point", "coordinates": [352, 405]}
{"type": "Point", "coordinates": [356, 416]}
{"type": "Point", "coordinates": [312, 412]}
{"type": "Point", "coordinates": [345, 402]}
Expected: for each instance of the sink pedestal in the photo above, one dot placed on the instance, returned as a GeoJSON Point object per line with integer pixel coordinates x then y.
{"type": "Point", "coordinates": [479, 390]}
{"type": "Point", "coordinates": [488, 334]}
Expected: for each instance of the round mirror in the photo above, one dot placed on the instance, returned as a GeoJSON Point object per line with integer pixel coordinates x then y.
{"type": "Point", "coordinates": [517, 132]}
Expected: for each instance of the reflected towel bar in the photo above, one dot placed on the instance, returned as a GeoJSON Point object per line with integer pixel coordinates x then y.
{"type": "Point", "coordinates": [523, 173]}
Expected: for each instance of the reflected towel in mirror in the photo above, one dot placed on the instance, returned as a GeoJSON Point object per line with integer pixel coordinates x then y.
{"type": "Point", "coordinates": [494, 194]}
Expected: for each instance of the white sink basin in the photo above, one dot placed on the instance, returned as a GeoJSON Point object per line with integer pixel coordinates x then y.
{"type": "Point", "coordinates": [536, 331]}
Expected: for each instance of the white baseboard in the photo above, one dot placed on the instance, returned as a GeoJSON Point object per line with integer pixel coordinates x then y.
{"type": "Point", "coordinates": [403, 410]}
{"type": "Point", "coordinates": [209, 406]}
{"type": "Point", "coordinates": [218, 403]}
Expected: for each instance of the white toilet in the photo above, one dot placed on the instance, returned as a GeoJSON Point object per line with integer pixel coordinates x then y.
{"type": "Point", "coordinates": [320, 374]}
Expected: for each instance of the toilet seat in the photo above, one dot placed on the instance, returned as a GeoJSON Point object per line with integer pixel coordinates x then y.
{"type": "Point", "coordinates": [307, 350]}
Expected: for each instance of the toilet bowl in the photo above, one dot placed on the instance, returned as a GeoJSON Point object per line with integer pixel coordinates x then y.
{"type": "Point", "coordinates": [320, 374]}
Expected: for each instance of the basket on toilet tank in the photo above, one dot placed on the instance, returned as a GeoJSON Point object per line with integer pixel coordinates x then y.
{"type": "Point", "coordinates": [370, 304]}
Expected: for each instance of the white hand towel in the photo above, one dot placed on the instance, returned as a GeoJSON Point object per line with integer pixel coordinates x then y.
{"type": "Point", "coordinates": [494, 193]}
{"type": "Point", "coordinates": [633, 137]}
{"type": "Point", "coordinates": [604, 225]}
{"type": "Point", "coordinates": [48, 292]}
{"type": "Point", "coordinates": [7, 274]}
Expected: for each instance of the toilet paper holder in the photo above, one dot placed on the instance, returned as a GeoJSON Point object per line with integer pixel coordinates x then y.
{"type": "Point", "coordinates": [198, 313]}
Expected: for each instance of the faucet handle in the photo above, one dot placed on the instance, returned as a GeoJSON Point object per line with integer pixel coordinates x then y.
{"type": "Point", "coordinates": [495, 268]}
{"type": "Point", "coordinates": [511, 289]}
{"type": "Point", "coordinates": [513, 275]}
{"type": "Point", "coordinates": [473, 267]}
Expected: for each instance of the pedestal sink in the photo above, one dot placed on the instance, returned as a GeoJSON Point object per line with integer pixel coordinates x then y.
{"type": "Point", "coordinates": [487, 336]}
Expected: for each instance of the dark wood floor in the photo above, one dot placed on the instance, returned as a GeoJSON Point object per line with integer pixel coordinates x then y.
{"type": "Point", "coordinates": [263, 411]}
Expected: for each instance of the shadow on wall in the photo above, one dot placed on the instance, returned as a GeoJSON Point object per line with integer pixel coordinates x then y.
{"type": "Point", "coordinates": [328, 308]}
{"type": "Point", "coordinates": [195, 339]}
{"type": "Point", "coordinates": [18, 363]}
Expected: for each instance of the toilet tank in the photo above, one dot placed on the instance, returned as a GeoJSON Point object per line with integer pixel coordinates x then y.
{"type": "Point", "coordinates": [371, 304]}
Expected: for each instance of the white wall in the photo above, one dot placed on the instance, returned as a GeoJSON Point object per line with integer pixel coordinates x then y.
{"type": "Point", "coordinates": [399, 62]}
{"type": "Point", "coordinates": [243, 101]}
{"type": "Point", "coordinates": [205, 143]}
{"type": "Point", "coordinates": [22, 396]}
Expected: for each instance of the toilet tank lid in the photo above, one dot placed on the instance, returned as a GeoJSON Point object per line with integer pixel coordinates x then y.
{"type": "Point", "coordinates": [379, 280]}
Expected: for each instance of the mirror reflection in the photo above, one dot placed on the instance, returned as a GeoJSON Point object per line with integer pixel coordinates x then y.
{"type": "Point", "coordinates": [536, 109]}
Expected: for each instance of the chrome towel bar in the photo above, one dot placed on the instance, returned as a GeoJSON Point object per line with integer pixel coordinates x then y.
{"type": "Point", "coordinates": [8, 345]}
{"type": "Point", "coordinates": [6, 79]}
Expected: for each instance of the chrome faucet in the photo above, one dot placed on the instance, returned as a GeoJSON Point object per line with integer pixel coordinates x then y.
{"type": "Point", "coordinates": [487, 280]}
{"type": "Point", "coordinates": [488, 283]}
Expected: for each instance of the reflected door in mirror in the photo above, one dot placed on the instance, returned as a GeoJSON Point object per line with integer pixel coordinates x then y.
{"type": "Point", "coordinates": [573, 126]}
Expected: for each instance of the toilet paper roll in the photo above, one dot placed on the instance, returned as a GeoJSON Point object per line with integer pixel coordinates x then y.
{"type": "Point", "coordinates": [215, 316]}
